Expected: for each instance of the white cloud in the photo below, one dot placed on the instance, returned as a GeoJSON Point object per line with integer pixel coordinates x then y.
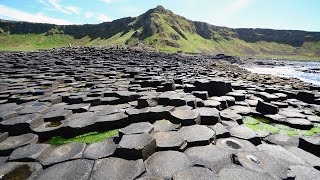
{"type": "Point", "coordinates": [16, 14]}
{"type": "Point", "coordinates": [104, 18]}
{"type": "Point", "coordinates": [89, 15]}
{"type": "Point", "coordinates": [73, 9]}
{"type": "Point", "coordinates": [64, 9]}
{"type": "Point", "coordinates": [110, 1]}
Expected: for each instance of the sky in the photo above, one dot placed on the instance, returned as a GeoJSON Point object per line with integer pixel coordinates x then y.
{"type": "Point", "coordinates": [273, 14]}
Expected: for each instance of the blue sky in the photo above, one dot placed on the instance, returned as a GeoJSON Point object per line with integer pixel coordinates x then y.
{"type": "Point", "coordinates": [275, 14]}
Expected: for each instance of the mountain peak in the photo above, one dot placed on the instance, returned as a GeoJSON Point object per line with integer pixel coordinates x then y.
{"type": "Point", "coordinates": [160, 9]}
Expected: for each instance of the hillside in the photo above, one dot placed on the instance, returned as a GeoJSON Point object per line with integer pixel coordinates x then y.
{"type": "Point", "coordinates": [163, 30]}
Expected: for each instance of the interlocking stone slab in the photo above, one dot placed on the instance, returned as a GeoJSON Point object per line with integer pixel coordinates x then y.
{"type": "Point", "coordinates": [237, 96]}
{"type": "Point", "coordinates": [136, 146]}
{"type": "Point", "coordinates": [195, 173]}
{"type": "Point", "coordinates": [165, 125]}
{"type": "Point", "coordinates": [107, 111]}
{"type": "Point", "coordinates": [243, 110]}
{"type": "Point", "coordinates": [3, 136]}
{"type": "Point", "coordinates": [197, 135]}
{"type": "Point", "coordinates": [282, 140]}
{"type": "Point", "coordinates": [303, 172]}
{"type": "Point", "coordinates": [13, 142]}
{"type": "Point", "coordinates": [171, 140]}
{"type": "Point", "coordinates": [79, 169]}
{"type": "Point", "coordinates": [242, 173]}
{"type": "Point", "coordinates": [299, 123]}
{"type": "Point", "coordinates": [138, 115]}
{"type": "Point", "coordinates": [165, 164]}
{"type": "Point", "coordinates": [137, 128]}
{"type": "Point", "coordinates": [280, 154]}
{"type": "Point", "coordinates": [63, 153]}
{"type": "Point", "coordinates": [261, 162]}
{"type": "Point", "coordinates": [267, 108]}
{"type": "Point", "coordinates": [201, 94]}
{"type": "Point", "coordinates": [20, 170]}
{"type": "Point", "coordinates": [185, 117]}
{"type": "Point", "coordinates": [212, 104]}
{"type": "Point", "coordinates": [236, 144]}
{"type": "Point", "coordinates": [21, 124]}
{"type": "Point", "coordinates": [35, 108]}
{"type": "Point", "coordinates": [243, 132]}
{"type": "Point", "coordinates": [148, 101]}
{"type": "Point", "coordinates": [49, 129]}
{"type": "Point", "coordinates": [58, 115]}
{"type": "Point", "coordinates": [112, 121]}
{"type": "Point", "coordinates": [229, 115]}
{"type": "Point", "coordinates": [32, 152]}
{"type": "Point", "coordinates": [309, 158]}
{"type": "Point", "coordinates": [310, 144]}
{"type": "Point", "coordinates": [116, 168]}
{"type": "Point", "coordinates": [78, 108]}
{"type": "Point", "coordinates": [208, 116]}
{"type": "Point", "coordinates": [101, 149]}
{"type": "Point", "coordinates": [5, 115]}
{"type": "Point", "coordinates": [210, 157]}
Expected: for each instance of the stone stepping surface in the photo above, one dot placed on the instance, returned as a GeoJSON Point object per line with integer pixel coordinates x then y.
{"type": "Point", "coordinates": [176, 118]}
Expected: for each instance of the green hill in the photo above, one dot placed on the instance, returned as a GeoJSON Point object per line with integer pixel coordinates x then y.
{"type": "Point", "coordinates": [163, 30]}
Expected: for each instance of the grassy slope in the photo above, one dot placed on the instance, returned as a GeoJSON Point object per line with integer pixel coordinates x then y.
{"type": "Point", "coordinates": [194, 44]}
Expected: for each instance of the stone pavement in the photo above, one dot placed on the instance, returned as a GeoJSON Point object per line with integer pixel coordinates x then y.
{"type": "Point", "coordinates": [178, 118]}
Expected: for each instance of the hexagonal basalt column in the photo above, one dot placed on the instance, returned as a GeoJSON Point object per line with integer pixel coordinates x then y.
{"type": "Point", "coordinates": [136, 146]}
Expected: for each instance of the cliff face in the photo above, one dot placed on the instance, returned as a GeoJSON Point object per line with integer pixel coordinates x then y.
{"type": "Point", "coordinates": [162, 29]}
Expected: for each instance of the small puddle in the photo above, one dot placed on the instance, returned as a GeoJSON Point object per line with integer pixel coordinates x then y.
{"type": "Point", "coordinates": [233, 145]}
{"type": "Point", "coordinates": [21, 172]}
{"type": "Point", "coordinates": [53, 124]}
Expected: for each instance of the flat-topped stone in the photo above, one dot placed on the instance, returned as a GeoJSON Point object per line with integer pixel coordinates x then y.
{"type": "Point", "coordinates": [116, 168]}
{"type": "Point", "coordinates": [185, 117]}
{"type": "Point", "coordinates": [195, 173]}
{"type": "Point", "coordinates": [165, 164]}
{"type": "Point", "coordinates": [208, 116]}
{"type": "Point", "coordinates": [197, 135]}
{"type": "Point", "coordinates": [243, 132]}
{"type": "Point", "coordinates": [63, 153]}
{"type": "Point", "coordinates": [299, 123]}
{"type": "Point", "coordinates": [13, 142]}
{"type": "Point", "coordinates": [165, 125]}
{"type": "Point", "coordinates": [101, 149]}
{"type": "Point", "coordinates": [20, 170]}
{"type": "Point", "coordinates": [242, 173]}
{"type": "Point", "coordinates": [171, 140]}
{"type": "Point", "coordinates": [58, 115]}
{"type": "Point", "coordinates": [136, 146]}
{"type": "Point", "coordinates": [137, 128]}
{"type": "Point", "coordinates": [79, 169]}
{"type": "Point", "coordinates": [236, 144]}
{"type": "Point", "coordinates": [32, 152]}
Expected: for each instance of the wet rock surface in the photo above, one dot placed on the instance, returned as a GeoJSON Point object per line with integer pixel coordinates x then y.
{"type": "Point", "coordinates": [179, 117]}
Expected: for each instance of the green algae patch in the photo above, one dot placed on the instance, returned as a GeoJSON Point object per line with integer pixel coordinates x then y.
{"type": "Point", "coordinates": [260, 123]}
{"type": "Point", "coordinates": [88, 138]}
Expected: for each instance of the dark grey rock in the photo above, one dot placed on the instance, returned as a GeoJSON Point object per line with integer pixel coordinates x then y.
{"type": "Point", "coordinates": [138, 115]}
{"type": "Point", "coordinates": [137, 128]}
{"type": "Point", "coordinates": [136, 146]}
{"type": "Point", "coordinates": [76, 170]}
{"type": "Point", "coordinates": [13, 142]}
{"type": "Point", "coordinates": [107, 111]}
{"type": "Point", "coordinates": [4, 115]}
{"type": "Point", "coordinates": [267, 108]}
{"type": "Point", "coordinates": [303, 172]}
{"type": "Point", "coordinates": [63, 153]}
{"type": "Point", "coordinates": [165, 125]}
{"type": "Point", "coordinates": [101, 149]}
{"type": "Point", "coordinates": [282, 140]}
{"type": "Point", "coordinates": [116, 168]}
{"type": "Point", "coordinates": [210, 157]}
{"type": "Point", "coordinates": [195, 173]}
{"type": "Point", "coordinates": [35, 108]}
{"type": "Point", "coordinates": [171, 140]}
{"type": "Point", "coordinates": [310, 144]}
{"type": "Point", "coordinates": [197, 135]}
{"type": "Point", "coordinates": [58, 115]}
{"type": "Point", "coordinates": [212, 104]}
{"type": "Point", "coordinates": [309, 158]}
{"type": "Point", "coordinates": [299, 123]}
{"type": "Point", "coordinates": [32, 152]}
{"type": "Point", "coordinates": [21, 124]}
{"type": "Point", "coordinates": [185, 117]}
{"type": "Point", "coordinates": [261, 162]}
{"type": "Point", "coordinates": [242, 173]}
{"type": "Point", "coordinates": [243, 132]}
{"type": "Point", "coordinates": [3, 136]}
{"type": "Point", "coordinates": [208, 116]}
{"type": "Point", "coordinates": [280, 154]}
{"type": "Point", "coordinates": [165, 164]}
{"type": "Point", "coordinates": [20, 170]}
{"type": "Point", "coordinates": [79, 108]}
{"type": "Point", "coordinates": [229, 115]}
